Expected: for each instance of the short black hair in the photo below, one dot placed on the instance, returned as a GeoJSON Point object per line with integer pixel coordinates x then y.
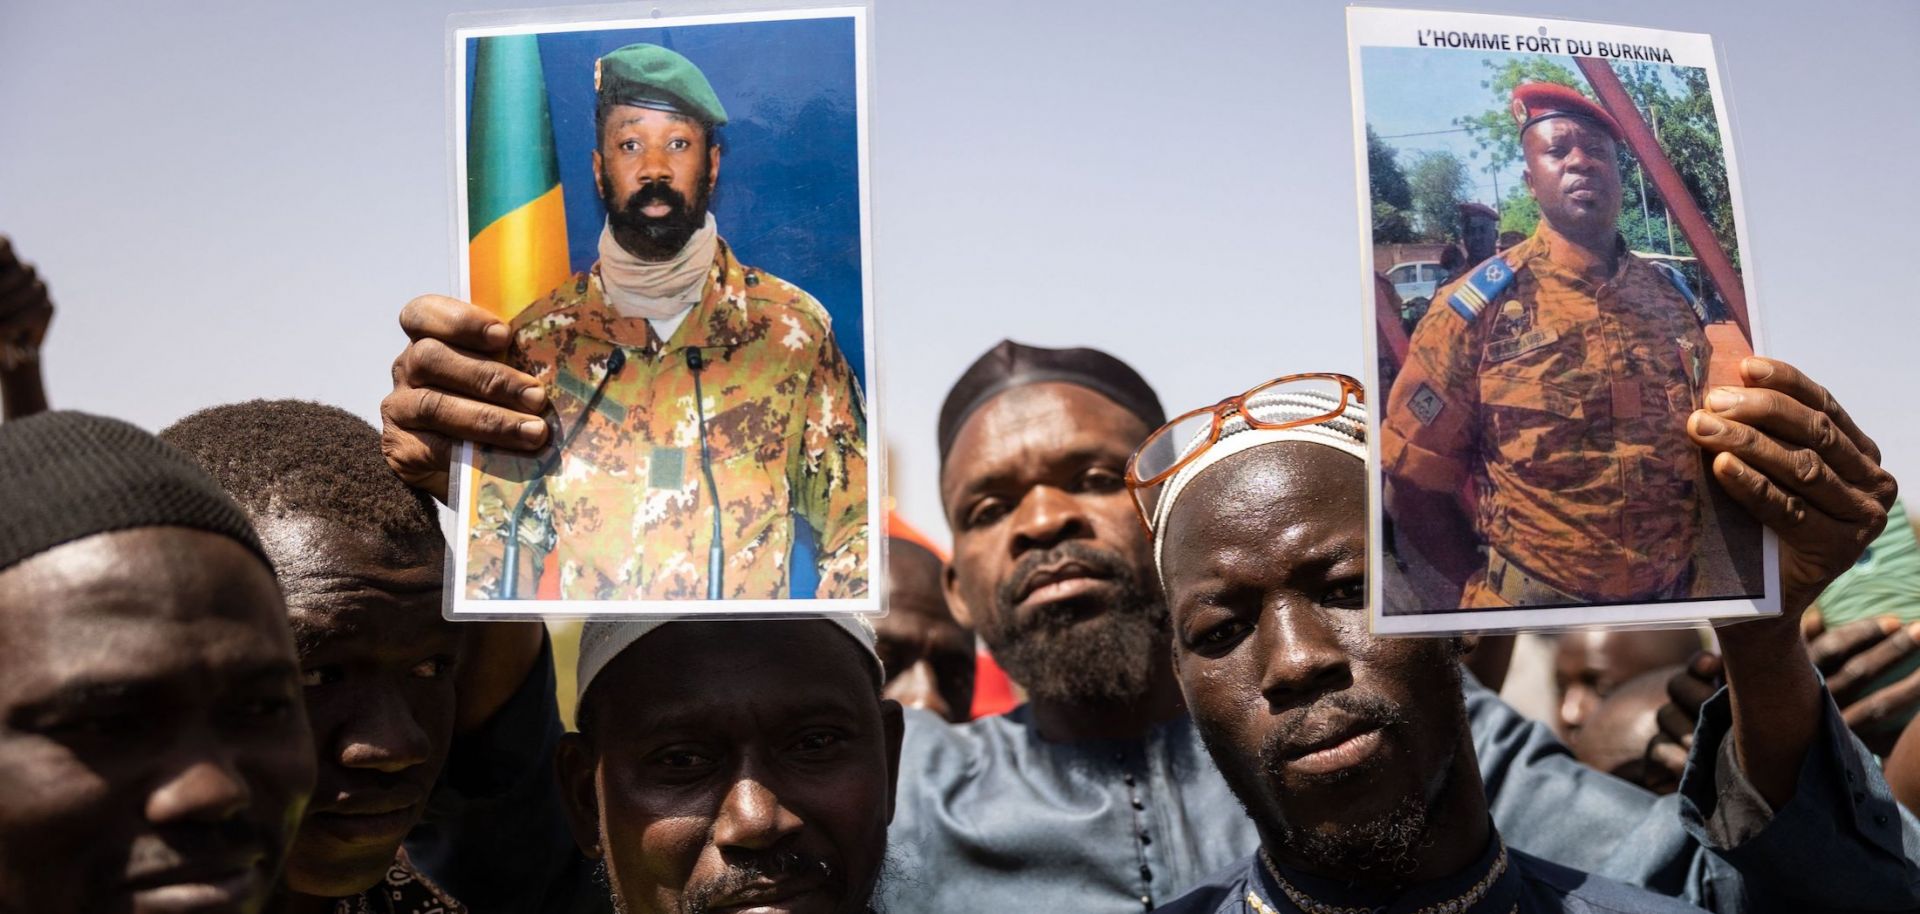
{"type": "Point", "coordinates": [294, 457]}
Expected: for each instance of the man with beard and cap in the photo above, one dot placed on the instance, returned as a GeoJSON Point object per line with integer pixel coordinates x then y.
{"type": "Point", "coordinates": [710, 397]}
{"type": "Point", "coordinates": [1553, 388]}
{"type": "Point", "coordinates": [1352, 753]}
{"type": "Point", "coordinates": [154, 753]}
{"type": "Point", "coordinates": [359, 555]}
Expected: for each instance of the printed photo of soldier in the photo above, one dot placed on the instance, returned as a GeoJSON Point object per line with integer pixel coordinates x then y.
{"type": "Point", "coordinates": [671, 219]}
{"type": "Point", "coordinates": [1534, 440]}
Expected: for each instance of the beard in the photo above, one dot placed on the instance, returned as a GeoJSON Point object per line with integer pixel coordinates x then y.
{"type": "Point", "coordinates": [1383, 846]}
{"type": "Point", "coordinates": [1060, 657]}
{"type": "Point", "coordinates": [656, 238]}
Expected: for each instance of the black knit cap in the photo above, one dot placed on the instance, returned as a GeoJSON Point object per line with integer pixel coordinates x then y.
{"type": "Point", "coordinates": [66, 476]}
{"type": "Point", "coordinates": [1010, 364]}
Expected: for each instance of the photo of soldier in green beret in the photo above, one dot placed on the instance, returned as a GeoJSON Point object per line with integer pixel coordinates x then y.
{"type": "Point", "coordinates": [705, 432]}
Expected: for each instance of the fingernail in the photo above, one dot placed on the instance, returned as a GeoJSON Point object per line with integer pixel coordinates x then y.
{"type": "Point", "coordinates": [1722, 399]}
{"type": "Point", "coordinates": [1888, 625]}
{"type": "Point", "coordinates": [1757, 369]}
{"type": "Point", "coordinates": [534, 397]}
{"type": "Point", "coordinates": [497, 334]}
{"type": "Point", "coordinates": [1703, 663]}
{"type": "Point", "coordinates": [533, 429]}
{"type": "Point", "coordinates": [1913, 631]}
{"type": "Point", "coordinates": [1706, 426]}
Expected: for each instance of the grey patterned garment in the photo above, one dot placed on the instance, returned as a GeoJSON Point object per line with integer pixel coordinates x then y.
{"type": "Point", "coordinates": [991, 818]}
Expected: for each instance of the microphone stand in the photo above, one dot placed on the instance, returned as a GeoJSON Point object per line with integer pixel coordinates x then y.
{"type": "Point", "coordinates": [510, 575]}
{"type": "Point", "coordinates": [716, 556]}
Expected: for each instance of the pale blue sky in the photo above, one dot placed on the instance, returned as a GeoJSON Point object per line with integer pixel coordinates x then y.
{"type": "Point", "coordinates": [233, 199]}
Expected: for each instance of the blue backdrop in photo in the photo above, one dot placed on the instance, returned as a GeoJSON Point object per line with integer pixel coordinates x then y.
{"type": "Point", "coordinates": [788, 200]}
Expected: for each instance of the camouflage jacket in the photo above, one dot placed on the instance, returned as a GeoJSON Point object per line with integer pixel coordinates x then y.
{"type": "Point", "coordinates": [625, 509]}
{"type": "Point", "coordinates": [1565, 404]}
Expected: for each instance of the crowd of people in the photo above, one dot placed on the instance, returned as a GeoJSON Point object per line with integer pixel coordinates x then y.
{"type": "Point", "coordinates": [226, 684]}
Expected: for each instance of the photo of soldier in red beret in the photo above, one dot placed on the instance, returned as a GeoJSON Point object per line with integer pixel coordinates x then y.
{"type": "Point", "coordinates": [1534, 443]}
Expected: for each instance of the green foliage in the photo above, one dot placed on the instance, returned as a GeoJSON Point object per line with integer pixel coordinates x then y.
{"type": "Point", "coordinates": [1386, 183]}
{"type": "Point", "coordinates": [1439, 183]}
{"type": "Point", "coordinates": [1387, 188]}
{"type": "Point", "coordinates": [1391, 225]}
{"type": "Point", "coordinates": [1519, 212]}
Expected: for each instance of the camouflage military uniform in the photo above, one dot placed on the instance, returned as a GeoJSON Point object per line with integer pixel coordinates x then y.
{"type": "Point", "coordinates": [1565, 405]}
{"type": "Point", "coordinates": [626, 509]}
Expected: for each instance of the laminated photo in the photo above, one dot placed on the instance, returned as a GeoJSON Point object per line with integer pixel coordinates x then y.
{"type": "Point", "coordinates": [671, 215]}
{"type": "Point", "coordinates": [1554, 277]}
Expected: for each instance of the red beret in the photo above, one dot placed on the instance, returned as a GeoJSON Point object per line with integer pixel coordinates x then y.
{"type": "Point", "coordinates": [1535, 102]}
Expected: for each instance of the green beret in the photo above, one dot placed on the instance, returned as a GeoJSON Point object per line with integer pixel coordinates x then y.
{"type": "Point", "coordinates": [650, 76]}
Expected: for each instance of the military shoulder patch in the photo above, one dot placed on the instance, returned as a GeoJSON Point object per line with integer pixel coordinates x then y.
{"type": "Point", "coordinates": [1679, 281]}
{"type": "Point", "coordinates": [1426, 405]}
{"type": "Point", "coordinates": [1483, 285]}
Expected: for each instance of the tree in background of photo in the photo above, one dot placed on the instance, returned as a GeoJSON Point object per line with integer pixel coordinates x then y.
{"type": "Point", "coordinates": [1388, 189]}
{"type": "Point", "coordinates": [1440, 185]}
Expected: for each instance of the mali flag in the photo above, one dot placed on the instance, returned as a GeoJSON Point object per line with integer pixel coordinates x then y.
{"type": "Point", "coordinates": [517, 251]}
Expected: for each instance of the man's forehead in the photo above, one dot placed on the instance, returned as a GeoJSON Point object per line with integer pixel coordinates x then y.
{"type": "Point", "coordinates": [1038, 420]}
{"type": "Point", "coordinates": [1569, 126]}
{"type": "Point", "coordinates": [1292, 498]}
{"type": "Point", "coordinates": [46, 652]}
{"type": "Point", "coordinates": [627, 115]}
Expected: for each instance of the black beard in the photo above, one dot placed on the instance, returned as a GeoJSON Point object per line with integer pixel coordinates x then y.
{"type": "Point", "coordinates": [656, 238]}
{"type": "Point", "coordinates": [1101, 660]}
{"type": "Point", "coordinates": [1385, 847]}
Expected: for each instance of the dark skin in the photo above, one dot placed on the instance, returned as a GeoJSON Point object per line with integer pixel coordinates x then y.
{"type": "Point", "coordinates": [640, 146]}
{"type": "Point", "coordinates": [1573, 172]}
{"type": "Point", "coordinates": [25, 313]}
{"type": "Point", "coordinates": [756, 742]}
{"type": "Point", "coordinates": [1319, 726]}
{"type": "Point", "coordinates": [1589, 665]}
{"type": "Point", "coordinates": [1038, 466]}
{"type": "Point", "coordinates": [927, 655]}
{"type": "Point", "coordinates": [154, 754]}
{"type": "Point", "coordinates": [1622, 732]}
{"type": "Point", "coordinates": [377, 663]}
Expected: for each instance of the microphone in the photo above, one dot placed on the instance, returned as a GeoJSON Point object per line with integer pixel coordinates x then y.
{"type": "Point", "coordinates": [716, 556]}
{"type": "Point", "coordinates": [510, 575]}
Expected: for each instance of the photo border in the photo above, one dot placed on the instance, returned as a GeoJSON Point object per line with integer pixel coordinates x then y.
{"type": "Point", "coordinates": [455, 604]}
{"type": "Point", "coordinates": [1377, 27]}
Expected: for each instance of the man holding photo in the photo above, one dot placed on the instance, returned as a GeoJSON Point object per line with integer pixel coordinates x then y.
{"type": "Point", "coordinates": [1556, 382]}
{"type": "Point", "coordinates": [694, 405]}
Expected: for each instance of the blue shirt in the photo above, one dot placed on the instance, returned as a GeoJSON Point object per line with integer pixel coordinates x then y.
{"type": "Point", "coordinates": [1502, 881]}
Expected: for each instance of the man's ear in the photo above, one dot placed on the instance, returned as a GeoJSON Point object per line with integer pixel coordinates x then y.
{"type": "Point", "coordinates": [713, 164]}
{"type": "Point", "coordinates": [893, 723]}
{"type": "Point", "coordinates": [1526, 177]}
{"type": "Point", "coordinates": [578, 768]}
{"type": "Point", "coordinates": [956, 604]}
{"type": "Point", "coordinates": [596, 164]}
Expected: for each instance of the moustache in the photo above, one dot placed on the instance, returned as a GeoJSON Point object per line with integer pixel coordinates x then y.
{"type": "Point", "coordinates": [743, 874]}
{"type": "Point", "coordinates": [657, 192]}
{"type": "Point", "coordinates": [1306, 726]}
{"type": "Point", "coordinates": [1099, 563]}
